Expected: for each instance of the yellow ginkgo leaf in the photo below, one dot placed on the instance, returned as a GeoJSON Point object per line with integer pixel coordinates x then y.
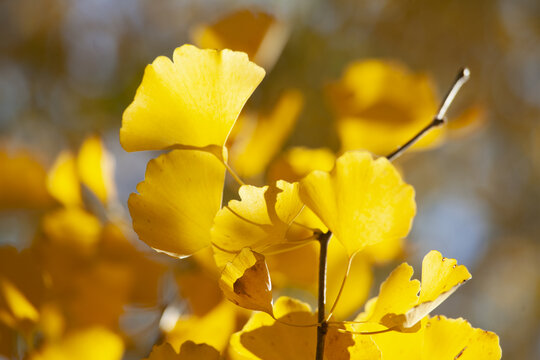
{"type": "Point", "coordinates": [246, 282]}
{"type": "Point", "coordinates": [382, 104]}
{"type": "Point", "coordinates": [256, 33]}
{"type": "Point", "coordinates": [297, 162]}
{"type": "Point", "coordinates": [22, 287]}
{"type": "Point", "coordinates": [163, 352]}
{"type": "Point", "coordinates": [385, 251]}
{"type": "Point", "coordinates": [260, 221]}
{"type": "Point", "coordinates": [397, 295]}
{"type": "Point", "coordinates": [362, 201]}
{"type": "Point", "coordinates": [214, 328]}
{"type": "Point", "coordinates": [88, 344]}
{"type": "Point", "coordinates": [63, 180]}
{"type": "Point", "coordinates": [175, 206]}
{"type": "Point", "coordinates": [14, 306]}
{"type": "Point", "coordinates": [296, 268]}
{"type": "Point", "coordinates": [440, 338]}
{"type": "Point", "coordinates": [440, 278]}
{"type": "Point", "coordinates": [95, 168]}
{"type": "Point", "coordinates": [403, 302]}
{"type": "Point", "coordinates": [188, 351]}
{"type": "Point", "coordinates": [191, 351]}
{"type": "Point", "coordinates": [23, 181]}
{"type": "Point", "coordinates": [193, 100]}
{"type": "Point", "coordinates": [73, 227]}
{"type": "Point", "coordinates": [293, 342]}
{"type": "Point", "coordinates": [259, 143]}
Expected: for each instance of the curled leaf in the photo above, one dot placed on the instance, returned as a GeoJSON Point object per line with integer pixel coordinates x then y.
{"type": "Point", "coordinates": [246, 281]}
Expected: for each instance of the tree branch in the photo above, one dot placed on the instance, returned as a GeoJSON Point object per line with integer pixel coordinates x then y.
{"type": "Point", "coordinates": [439, 119]}
{"type": "Point", "coordinates": [322, 329]}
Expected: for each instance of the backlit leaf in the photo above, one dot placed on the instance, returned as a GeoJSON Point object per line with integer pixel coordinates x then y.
{"type": "Point", "coordinates": [403, 302]}
{"type": "Point", "coordinates": [362, 201]}
{"type": "Point", "coordinates": [176, 203]}
{"type": "Point", "coordinates": [193, 100]}
{"type": "Point", "coordinates": [260, 221]}
{"type": "Point", "coordinates": [293, 342]}
{"type": "Point", "coordinates": [440, 338]}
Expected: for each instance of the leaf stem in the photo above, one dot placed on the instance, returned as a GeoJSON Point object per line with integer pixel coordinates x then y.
{"type": "Point", "coordinates": [233, 174]}
{"type": "Point", "coordinates": [341, 287]}
{"type": "Point", "coordinates": [439, 119]}
{"type": "Point", "coordinates": [322, 329]}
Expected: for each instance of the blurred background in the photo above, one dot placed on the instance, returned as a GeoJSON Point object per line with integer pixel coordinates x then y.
{"type": "Point", "coordinates": [68, 68]}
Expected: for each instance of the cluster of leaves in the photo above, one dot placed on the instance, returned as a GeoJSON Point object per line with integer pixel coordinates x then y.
{"type": "Point", "coordinates": [63, 296]}
{"type": "Point", "coordinates": [188, 106]}
{"type": "Point", "coordinates": [67, 290]}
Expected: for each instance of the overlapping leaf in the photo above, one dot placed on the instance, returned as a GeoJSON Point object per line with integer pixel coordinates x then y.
{"type": "Point", "coordinates": [294, 342]}
{"type": "Point", "coordinates": [260, 221]}
{"type": "Point", "coordinates": [439, 338]}
{"type": "Point", "coordinates": [362, 201]}
{"type": "Point", "coordinates": [403, 302]}
{"type": "Point", "coordinates": [176, 204]}
{"type": "Point", "coordinates": [214, 328]}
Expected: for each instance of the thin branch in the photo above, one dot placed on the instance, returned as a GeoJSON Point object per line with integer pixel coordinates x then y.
{"type": "Point", "coordinates": [349, 263]}
{"type": "Point", "coordinates": [439, 119]}
{"type": "Point", "coordinates": [322, 329]}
